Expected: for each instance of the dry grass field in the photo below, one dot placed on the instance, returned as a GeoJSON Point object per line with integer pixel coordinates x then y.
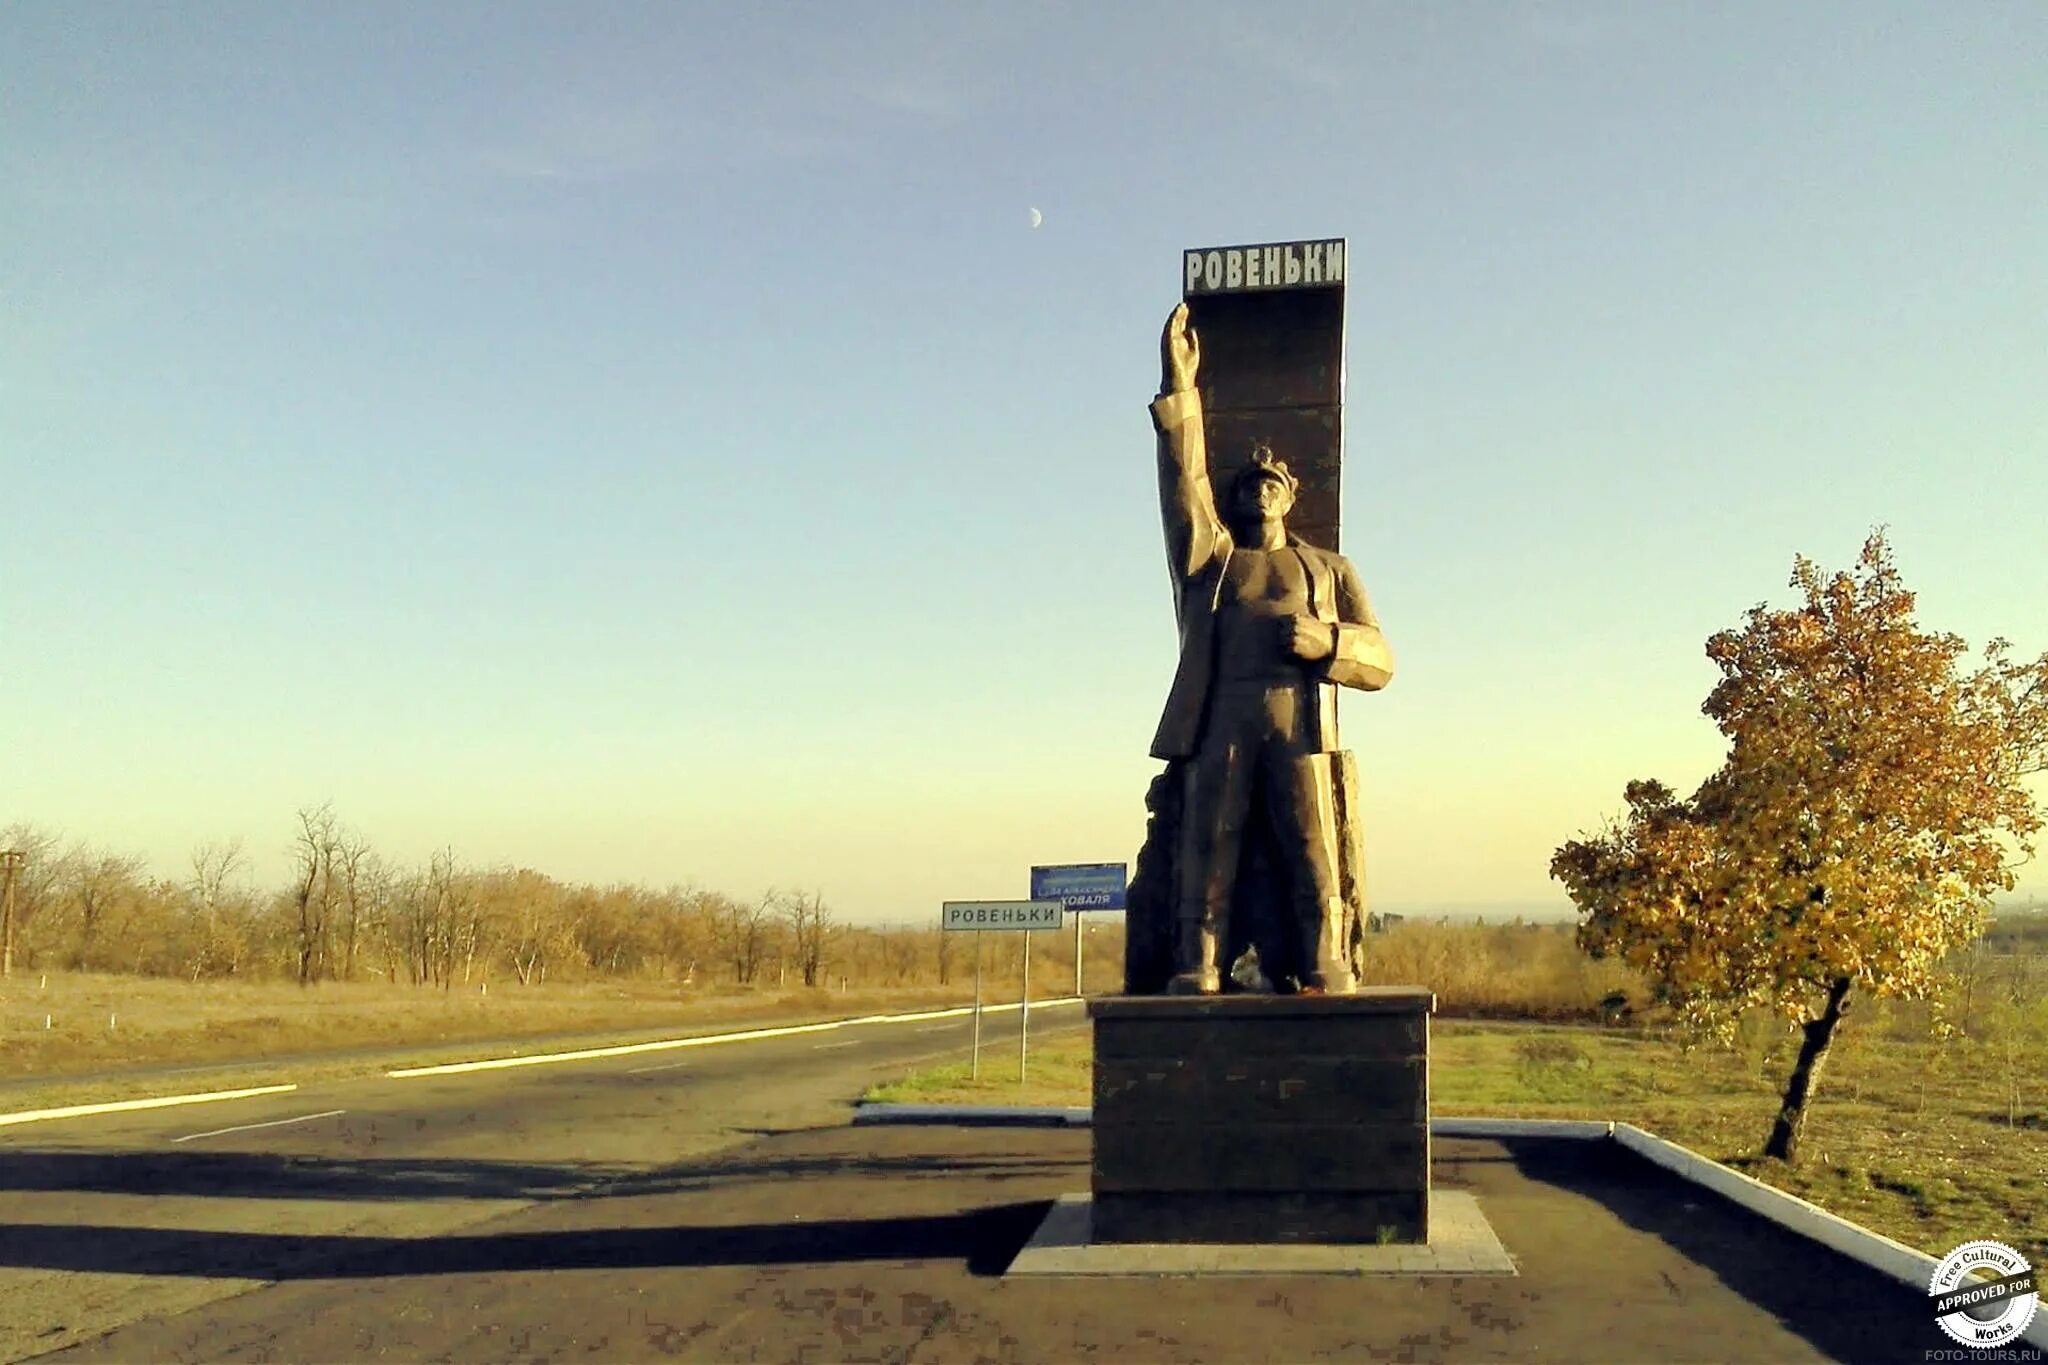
{"type": "Point", "coordinates": [1929, 1142]}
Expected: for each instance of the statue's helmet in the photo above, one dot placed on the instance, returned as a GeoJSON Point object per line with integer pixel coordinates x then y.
{"type": "Point", "coordinates": [1264, 465]}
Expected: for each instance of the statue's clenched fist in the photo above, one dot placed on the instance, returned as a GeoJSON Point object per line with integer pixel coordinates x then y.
{"type": "Point", "coordinates": [1310, 639]}
{"type": "Point", "coordinates": [1180, 354]}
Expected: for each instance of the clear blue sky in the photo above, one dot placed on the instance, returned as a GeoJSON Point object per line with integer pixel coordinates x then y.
{"type": "Point", "coordinates": [652, 442]}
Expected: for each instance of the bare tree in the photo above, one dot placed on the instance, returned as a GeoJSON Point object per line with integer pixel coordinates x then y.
{"type": "Point", "coordinates": [524, 912]}
{"type": "Point", "coordinates": [427, 913]}
{"type": "Point", "coordinates": [614, 928]}
{"type": "Point", "coordinates": [472, 929]}
{"type": "Point", "coordinates": [743, 932]}
{"type": "Point", "coordinates": [810, 925]}
{"type": "Point", "coordinates": [93, 883]}
{"type": "Point", "coordinates": [900, 950]}
{"type": "Point", "coordinates": [314, 851]}
{"type": "Point", "coordinates": [212, 865]}
{"type": "Point", "coordinates": [360, 874]}
{"type": "Point", "coordinates": [413, 918]}
{"type": "Point", "coordinates": [451, 905]}
{"type": "Point", "coordinates": [689, 933]}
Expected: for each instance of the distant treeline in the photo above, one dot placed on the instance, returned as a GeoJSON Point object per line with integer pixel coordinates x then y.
{"type": "Point", "coordinates": [348, 913]}
{"type": "Point", "coordinates": [2024, 930]}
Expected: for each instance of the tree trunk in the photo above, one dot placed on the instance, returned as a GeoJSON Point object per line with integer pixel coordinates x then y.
{"type": "Point", "coordinates": [1813, 1055]}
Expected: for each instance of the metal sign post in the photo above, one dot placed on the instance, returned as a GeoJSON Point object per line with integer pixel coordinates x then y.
{"type": "Point", "coordinates": [1015, 916]}
{"type": "Point", "coordinates": [1024, 1012]}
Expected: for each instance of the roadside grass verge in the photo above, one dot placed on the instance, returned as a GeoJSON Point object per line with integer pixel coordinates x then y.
{"type": "Point", "coordinates": [1909, 1136]}
{"type": "Point", "coordinates": [1058, 1070]}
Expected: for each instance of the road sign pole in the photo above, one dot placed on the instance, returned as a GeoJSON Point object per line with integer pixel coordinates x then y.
{"type": "Point", "coordinates": [1024, 1012]}
{"type": "Point", "coordinates": [1009, 916]}
{"type": "Point", "coordinates": [1077, 954]}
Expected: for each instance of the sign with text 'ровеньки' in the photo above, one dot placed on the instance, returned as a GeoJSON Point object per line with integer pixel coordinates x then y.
{"type": "Point", "coordinates": [1083, 886]}
{"type": "Point", "coordinates": [1012, 915]}
{"type": "Point", "coordinates": [1270, 319]}
{"type": "Point", "coordinates": [1268, 265]}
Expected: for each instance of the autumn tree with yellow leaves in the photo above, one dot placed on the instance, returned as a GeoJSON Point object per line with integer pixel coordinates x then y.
{"type": "Point", "coordinates": [1871, 803]}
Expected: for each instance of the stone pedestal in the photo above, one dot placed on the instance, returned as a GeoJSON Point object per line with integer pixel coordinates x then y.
{"type": "Point", "coordinates": [1259, 1118]}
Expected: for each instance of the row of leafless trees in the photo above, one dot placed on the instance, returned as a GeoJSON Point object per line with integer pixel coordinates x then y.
{"type": "Point", "coordinates": [349, 913]}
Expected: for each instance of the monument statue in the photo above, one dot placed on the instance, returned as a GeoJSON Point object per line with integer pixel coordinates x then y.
{"type": "Point", "coordinates": [1269, 627]}
{"type": "Point", "coordinates": [1248, 1090]}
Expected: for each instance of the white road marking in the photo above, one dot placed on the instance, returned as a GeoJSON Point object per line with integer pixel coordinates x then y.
{"type": "Point", "coordinates": [72, 1111]}
{"type": "Point", "coordinates": [251, 1127]}
{"type": "Point", "coordinates": [622, 1050]}
{"type": "Point", "coordinates": [954, 1012]}
{"type": "Point", "coordinates": [665, 1066]}
{"type": "Point", "coordinates": [827, 1047]}
{"type": "Point", "coordinates": [713, 1039]}
{"type": "Point", "coordinates": [937, 1028]}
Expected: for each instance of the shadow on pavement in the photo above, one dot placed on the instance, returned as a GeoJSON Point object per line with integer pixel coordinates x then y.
{"type": "Point", "coordinates": [1837, 1304]}
{"type": "Point", "coordinates": [1618, 1258]}
{"type": "Point", "coordinates": [983, 1239]}
{"type": "Point", "coordinates": [257, 1175]}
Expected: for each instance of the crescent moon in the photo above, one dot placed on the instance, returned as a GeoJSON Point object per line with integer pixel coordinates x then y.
{"type": "Point", "coordinates": [1036, 218]}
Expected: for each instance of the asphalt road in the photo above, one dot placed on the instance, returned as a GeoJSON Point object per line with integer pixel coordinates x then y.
{"type": "Point", "coordinates": [119, 1218]}
{"type": "Point", "coordinates": [713, 1204]}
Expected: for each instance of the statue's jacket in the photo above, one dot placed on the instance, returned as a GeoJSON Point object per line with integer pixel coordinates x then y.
{"type": "Point", "coordinates": [1198, 550]}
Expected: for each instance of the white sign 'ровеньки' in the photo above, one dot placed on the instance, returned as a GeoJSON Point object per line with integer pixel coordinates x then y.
{"type": "Point", "coordinates": [1276, 265]}
{"type": "Point", "coordinates": [1002, 914]}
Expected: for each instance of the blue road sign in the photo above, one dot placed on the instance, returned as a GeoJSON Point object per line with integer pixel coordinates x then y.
{"type": "Point", "coordinates": [1083, 886]}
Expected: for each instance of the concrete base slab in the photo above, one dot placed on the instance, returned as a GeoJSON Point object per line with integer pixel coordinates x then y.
{"type": "Point", "coordinates": [1463, 1244]}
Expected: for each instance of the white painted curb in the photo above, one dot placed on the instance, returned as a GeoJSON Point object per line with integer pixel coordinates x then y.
{"type": "Point", "coordinates": [1875, 1250]}
{"type": "Point", "coordinates": [74, 1111]}
{"type": "Point", "coordinates": [1909, 1266]}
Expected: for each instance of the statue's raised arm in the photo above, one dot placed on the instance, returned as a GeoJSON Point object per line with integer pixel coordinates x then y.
{"type": "Point", "coordinates": [1187, 505]}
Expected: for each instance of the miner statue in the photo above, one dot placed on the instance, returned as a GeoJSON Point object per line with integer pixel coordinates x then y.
{"type": "Point", "coordinates": [1269, 628]}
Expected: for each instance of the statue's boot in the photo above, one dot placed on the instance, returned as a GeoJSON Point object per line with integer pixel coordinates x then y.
{"type": "Point", "coordinates": [1197, 954]}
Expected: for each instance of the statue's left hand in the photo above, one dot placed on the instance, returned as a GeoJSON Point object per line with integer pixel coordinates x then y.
{"type": "Point", "coordinates": [1309, 639]}
{"type": "Point", "coordinates": [1180, 353]}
